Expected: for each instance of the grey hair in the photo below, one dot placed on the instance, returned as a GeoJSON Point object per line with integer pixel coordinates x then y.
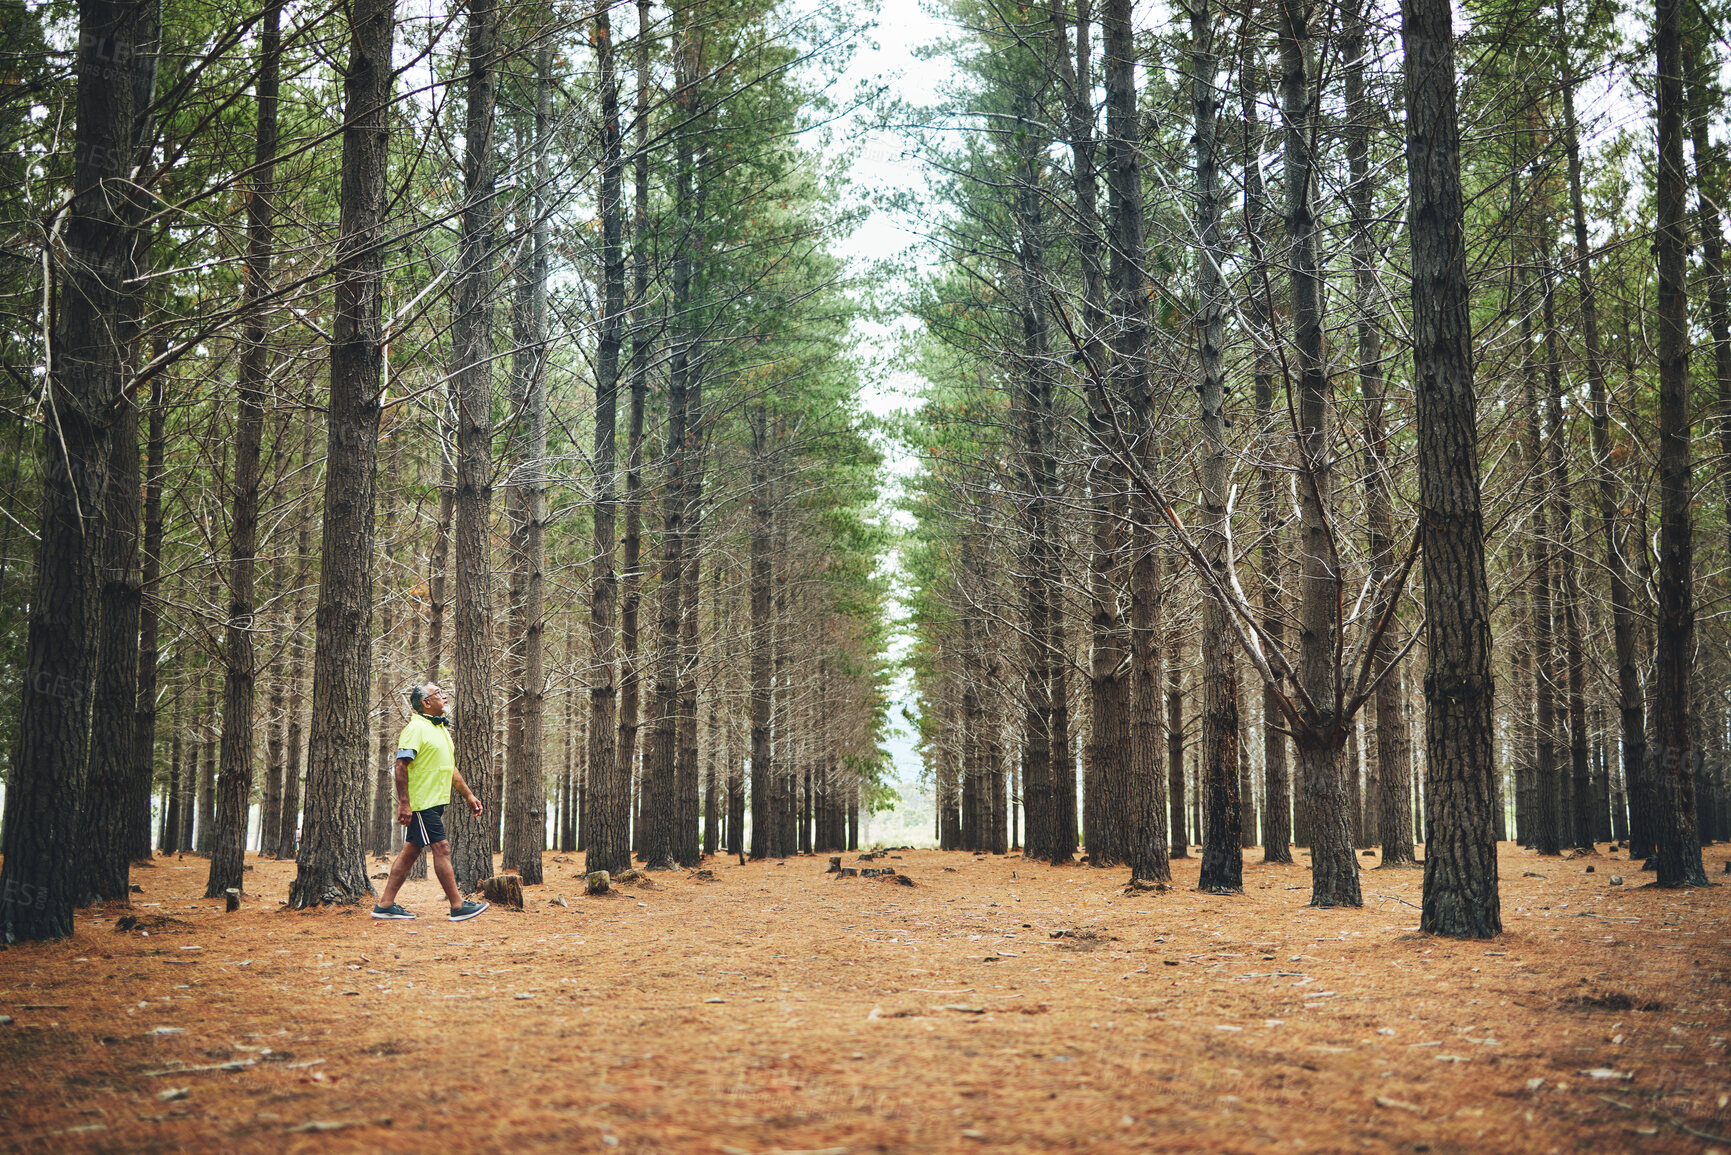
{"type": "Point", "coordinates": [417, 695]}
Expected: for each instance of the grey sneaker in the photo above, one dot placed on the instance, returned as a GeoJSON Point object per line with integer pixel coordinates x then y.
{"type": "Point", "coordinates": [467, 911]}
{"type": "Point", "coordinates": [394, 910]}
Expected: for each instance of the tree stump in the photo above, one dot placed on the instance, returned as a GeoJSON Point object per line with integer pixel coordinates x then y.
{"type": "Point", "coordinates": [834, 864]}
{"type": "Point", "coordinates": [598, 883]}
{"type": "Point", "coordinates": [848, 872]}
{"type": "Point", "coordinates": [503, 890]}
{"type": "Point", "coordinates": [232, 894]}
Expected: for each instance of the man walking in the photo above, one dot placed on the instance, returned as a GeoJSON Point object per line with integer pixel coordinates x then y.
{"type": "Point", "coordinates": [426, 771]}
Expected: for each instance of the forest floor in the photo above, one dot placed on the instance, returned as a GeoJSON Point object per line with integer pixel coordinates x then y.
{"type": "Point", "coordinates": [778, 1009]}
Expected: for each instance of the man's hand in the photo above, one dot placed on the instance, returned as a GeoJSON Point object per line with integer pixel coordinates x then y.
{"type": "Point", "coordinates": [475, 806]}
{"type": "Point", "coordinates": [403, 813]}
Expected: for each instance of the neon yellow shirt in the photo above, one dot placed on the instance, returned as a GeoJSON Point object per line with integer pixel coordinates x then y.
{"type": "Point", "coordinates": [432, 762]}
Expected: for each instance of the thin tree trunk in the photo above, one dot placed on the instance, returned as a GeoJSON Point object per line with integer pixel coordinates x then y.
{"type": "Point", "coordinates": [295, 614]}
{"type": "Point", "coordinates": [642, 346]}
{"type": "Point", "coordinates": [384, 825]}
{"type": "Point", "coordinates": [1676, 848]}
{"type": "Point", "coordinates": [606, 817]}
{"type": "Point", "coordinates": [144, 727]}
{"type": "Point", "coordinates": [1630, 701]}
{"type": "Point", "coordinates": [472, 838]}
{"type": "Point", "coordinates": [270, 805]}
{"type": "Point", "coordinates": [1133, 765]}
{"type": "Point", "coordinates": [1276, 774]}
{"type": "Point", "coordinates": [1222, 804]}
{"type": "Point", "coordinates": [1579, 824]}
{"type": "Point", "coordinates": [762, 773]}
{"type": "Point", "coordinates": [660, 754]}
{"type": "Point", "coordinates": [685, 784]}
{"type": "Point", "coordinates": [176, 748]}
{"type": "Point", "coordinates": [1037, 477]}
{"type": "Point", "coordinates": [525, 790]}
{"type": "Point", "coordinates": [234, 785]}
{"type": "Point", "coordinates": [1393, 812]}
{"type": "Point", "coordinates": [1334, 866]}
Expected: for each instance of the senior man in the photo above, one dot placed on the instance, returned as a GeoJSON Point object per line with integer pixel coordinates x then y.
{"type": "Point", "coordinates": [426, 772]}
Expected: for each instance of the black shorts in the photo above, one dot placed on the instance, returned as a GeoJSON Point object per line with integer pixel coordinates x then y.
{"type": "Point", "coordinates": [426, 826]}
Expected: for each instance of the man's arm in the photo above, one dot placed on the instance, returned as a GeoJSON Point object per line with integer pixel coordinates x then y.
{"type": "Point", "coordinates": [462, 787]}
{"type": "Point", "coordinates": [402, 778]}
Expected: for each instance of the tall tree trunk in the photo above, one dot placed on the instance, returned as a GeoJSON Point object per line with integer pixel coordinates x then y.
{"type": "Point", "coordinates": [1135, 760]}
{"type": "Point", "coordinates": [1676, 848]}
{"type": "Point", "coordinates": [1109, 685]}
{"type": "Point", "coordinates": [288, 831]}
{"type": "Point", "coordinates": [1460, 867]}
{"type": "Point", "coordinates": [1177, 831]}
{"type": "Point", "coordinates": [149, 623]}
{"type": "Point", "coordinates": [642, 349]}
{"type": "Point", "coordinates": [331, 861]}
{"type": "Point", "coordinates": [1630, 701]}
{"type": "Point", "coordinates": [438, 559]}
{"type": "Point", "coordinates": [270, 805]}
{"type": "Point", "coordinates": [472, 735]}
{"type": "Point", "coordinates": [176, 748]}
{"type": "Point", "coordinates": [234, 785]}
{"type": "Point", "coordinates": [1709, 187]}
{"type": "Point", "coordinates": [660, 754]}
{"type": "Point", "coordinates": [1548, 817]}
{"type": "Point", "coordinates": [1392, 808]}
{"type": "Point", "coordinates": [1334, 866]}
{"type": "Point", "coordinates": [762, 772]}
{"type": "Point", "coordinates": [1568, 578]}
{"type": "Point", "coordinates": [383, 831]}
{"type": "Point", "coordinates": [607, 825]}
{"type": "Point", "coordinates": [105, 821]}
{"type": "Point", "coordinates": [1276, 774]}
{"type": "Point", "coordinates": [525, 791]}
{"type": "Point", "coordinates": [1037, 477]}
{"type": "Point", "coordinates": [87, 373]}
{"type": "Point", "coordinates": [685, 772]}
{"type": "Point", "coordinates": [1222, 806]}
{"type": "Point", "coordinates": [1072, 57]}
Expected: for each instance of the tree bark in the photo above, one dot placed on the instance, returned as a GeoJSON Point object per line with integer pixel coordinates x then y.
{"type": "Point", "coordinates": [1134, 764]}
{"type": "Point", "coordinates": [762, 772]}
{"type": "Point", "coordinates": [642, 346]}
{"type": "Point", "coordinates": [606, 816]}
{"type": "Point", "coordinates": [105, 822]}
{"type": "Point", "coordinates": [1393, 811]}
{"type": "Point", "coordinates": [1222, 804]}
{"type": "Point", "coordinates": [331, 861]}
{"type": "Point", "coordinates": [472, 735]}
{"type": "Point", "coordinates": [149, 623]}
{"type": "Point", "coordinates": [1334, 867]}
{"type": "Point", "coordinates": [1460, 868]}
{"type": "Point", "coordinates": [1276, 774]}
{"type": "Point", "coordinates": [1676, 847]}
{"type": "Point", "coordinates": [525, 790]}
{"type": "Point", "coordinates": [234, 783]}
{"type": "Point", "coordinates": [288, 831]}
{"type": "Point", "coordinates": [1630, 701]}
{"type": "Point", "coordinates": [87, 372]}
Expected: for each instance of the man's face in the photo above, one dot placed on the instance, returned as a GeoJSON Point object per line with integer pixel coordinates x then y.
{"type": "Point", "coordinates": [433, 701]}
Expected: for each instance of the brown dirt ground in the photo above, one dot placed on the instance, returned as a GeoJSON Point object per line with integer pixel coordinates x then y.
{"type": "Point", "coordinates": [775, 1009]}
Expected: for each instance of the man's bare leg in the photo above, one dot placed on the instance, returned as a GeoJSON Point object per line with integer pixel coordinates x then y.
{"type": "Point", "coordinates": [447, 876]}
{"type": "Point", "coordinates": [400, 871]}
